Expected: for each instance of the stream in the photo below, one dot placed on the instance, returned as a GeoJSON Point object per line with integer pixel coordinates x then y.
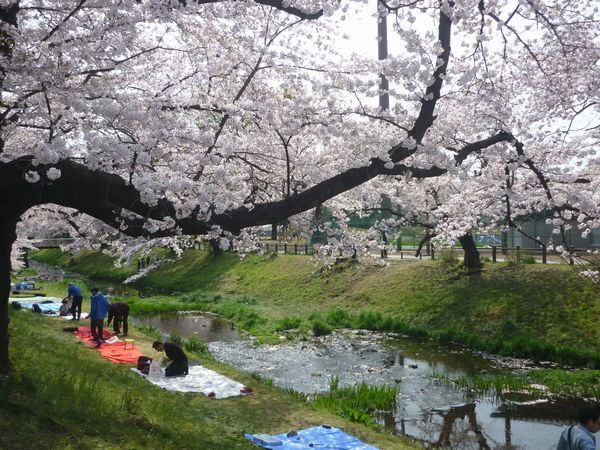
{"type": "Point", "coordinates": [438, 414]}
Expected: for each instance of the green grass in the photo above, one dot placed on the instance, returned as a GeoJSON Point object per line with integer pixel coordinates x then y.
{"type": "Point", "coordinates": [538, 311]}
{"type": "Point", "coordinates": [358, 403]}
{"type": "Point", "coordinates": [536, 383]}
{"type": "Point", "coordinates": [63, 395]}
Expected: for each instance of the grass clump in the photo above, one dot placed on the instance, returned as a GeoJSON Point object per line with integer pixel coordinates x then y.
{"type": "Point", "coordinates": [535, 383]}
{"type": "Point", "coordinates": [448, 257]}
{"type": "Point", "coordinates": [320, 329]}
{"type": "Point", "coordinates": [177, 340]}
{"type": "Point", "coordinates": [289, 323]}
{"type": "Point", "coordinates": [359, 403]}
{"type": "Point", "coordinates": [150, 331]}
{"type": "Point", "coordinates": [196, 344]}
{"type": "Point", "coordinates": [572, 383]}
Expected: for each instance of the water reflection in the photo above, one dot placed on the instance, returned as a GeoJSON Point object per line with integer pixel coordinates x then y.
{"type": "Point", "coordinates": [209, 327]}
{"type": "Point", "coordinates": [437, 414]}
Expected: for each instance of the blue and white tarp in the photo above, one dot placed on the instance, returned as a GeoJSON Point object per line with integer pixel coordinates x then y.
{"type": "Point", "coordinates": [48, 305]}
{"type": "Point", "coordinates": [321, 437]}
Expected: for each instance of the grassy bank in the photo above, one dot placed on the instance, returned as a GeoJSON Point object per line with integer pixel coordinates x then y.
{"type": "Point", "coordinates": [538, 311]}
{"type": "Point", "coordinates": [62, 394]}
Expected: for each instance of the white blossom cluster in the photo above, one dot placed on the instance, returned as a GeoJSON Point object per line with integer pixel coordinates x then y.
{"type": "Point", "coordinates": [226, 105]}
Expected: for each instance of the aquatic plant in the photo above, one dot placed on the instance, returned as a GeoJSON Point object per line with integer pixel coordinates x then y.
{"type": "Point", "coordinates": [196, 344]}
{"type": "Point", "coordinates": [536, 383]}
{"type": "Point", "coordinates": [358, 403]}
{"type": "Point", "coordinates": [177, 340]}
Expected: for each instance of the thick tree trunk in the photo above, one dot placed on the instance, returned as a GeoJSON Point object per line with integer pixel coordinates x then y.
{"type": "Point", "coordinates": [215, 247]}
{"type": "Point", "coordinates": [8, 236]}
{"type": "Point", "coordinates": [472, 260]}
{"type": "Point", "coordinates": [274, 232]}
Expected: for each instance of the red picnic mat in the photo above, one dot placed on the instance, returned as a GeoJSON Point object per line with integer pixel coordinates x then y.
{"type": "Point", "coordinates": [113, 352]}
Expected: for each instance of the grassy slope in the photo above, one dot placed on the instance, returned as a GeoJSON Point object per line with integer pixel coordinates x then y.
{"type": "Point", "coordinates": [547, 304]}
{"type": "Point", "coordinates": [62, 394]}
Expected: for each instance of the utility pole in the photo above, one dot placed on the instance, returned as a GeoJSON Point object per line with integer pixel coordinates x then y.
{"type": "Point", "coordinates": [382, 51]}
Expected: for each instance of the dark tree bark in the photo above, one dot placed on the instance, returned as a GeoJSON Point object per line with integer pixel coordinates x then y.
{"type": "Point", "coordinates": [273, 231]}
{"type": "Point", "coordinates": [8, 235]}
{"type": "Point", "coordinates": [472, 259]}
{"type": "Point", "coordinates": [215, 247]}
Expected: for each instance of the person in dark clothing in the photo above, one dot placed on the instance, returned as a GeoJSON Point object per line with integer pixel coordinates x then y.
{"type": "Point", "coordinates": [118, 311]}
{"type": "Point", "coordinates": [179, 362]}
{"type": "Point", "coordinates": [384, 241]}
{"type": "Point", "coordinates": [75, 295]}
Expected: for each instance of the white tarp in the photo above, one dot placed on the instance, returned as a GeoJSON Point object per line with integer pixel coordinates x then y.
{"type": "Point", "coordinates": [199, 379]}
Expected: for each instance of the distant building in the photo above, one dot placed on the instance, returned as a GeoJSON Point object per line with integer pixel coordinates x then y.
{"type": "Point", "coordinates": [535, 225]}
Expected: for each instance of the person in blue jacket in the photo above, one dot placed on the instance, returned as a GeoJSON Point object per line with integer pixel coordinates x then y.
{"type": "Point", "coordinates": [75, 295]}
{"type": "Point", "coordinates": [581, 436]}
{"type": "Point", "coordinates": [98, 311]}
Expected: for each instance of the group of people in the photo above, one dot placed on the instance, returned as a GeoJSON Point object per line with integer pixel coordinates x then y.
{"type": "Point", "coordinates": [142, 263]}
{"type": "Point", "coordinates": [118, 313]}
{"type": "Point", "coordinates": [100, 308]}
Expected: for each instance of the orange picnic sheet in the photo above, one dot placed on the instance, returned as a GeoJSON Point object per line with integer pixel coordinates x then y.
{"type": "Point", "coordinates": [115, 352]}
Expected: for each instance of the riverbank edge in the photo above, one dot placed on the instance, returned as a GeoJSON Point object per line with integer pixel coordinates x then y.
{"type": "Point", "coordinates": [62, 394]}
{"type": "Point", "coordinates": [481, 312]}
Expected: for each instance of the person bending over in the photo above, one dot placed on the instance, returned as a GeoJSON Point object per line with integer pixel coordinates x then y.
{"type": "Point", "coordinates": [179, 362]}
{"type": "Point", "coordinates": [581, 436]}
{"type": "Point", "coordinates": [76, 296]}
{"type": "Point", "coordinates": [118, 311]}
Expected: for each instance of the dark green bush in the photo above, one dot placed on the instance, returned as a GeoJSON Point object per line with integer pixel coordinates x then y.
{"type": "Point", "coordinates": [320, 329]}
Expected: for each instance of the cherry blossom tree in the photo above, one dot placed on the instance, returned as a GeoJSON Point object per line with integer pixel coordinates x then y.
{"type": "Point", "coordinates": [160, 119]}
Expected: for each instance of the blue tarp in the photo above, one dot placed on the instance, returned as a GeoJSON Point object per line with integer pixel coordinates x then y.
{"type": "Point", "coordinates": [321, 437]}
{"type": "Point", "coordinates": [25, 285]}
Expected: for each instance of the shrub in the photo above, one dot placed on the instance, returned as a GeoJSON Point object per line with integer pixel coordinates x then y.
{"type": "Point", "coordinates": [196, 344]}
{"type": "Point", "coordinates": [320, 329]}
{"type": "Point", "coordinates": [513, 258]}
{"type": "Point", "coordinates": [176, 339]}
{"type": "Point", "coordinates": [448, 256]}
{"type": "Point", "coordinates": [288, 323]}
{"type": "Point", "coordinates": [339, 318]}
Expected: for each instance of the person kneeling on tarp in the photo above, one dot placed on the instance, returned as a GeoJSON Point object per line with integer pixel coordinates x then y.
{"type": "Point", "coordinates": [179, 362]}
{"type": "Point", "coordinates": [64, 308]}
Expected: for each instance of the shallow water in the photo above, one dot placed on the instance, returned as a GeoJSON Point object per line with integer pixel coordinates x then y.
{"type": "Point", "coordinates": [438, 414]}
{"type": "Point", "coordinates": [209, 327]}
